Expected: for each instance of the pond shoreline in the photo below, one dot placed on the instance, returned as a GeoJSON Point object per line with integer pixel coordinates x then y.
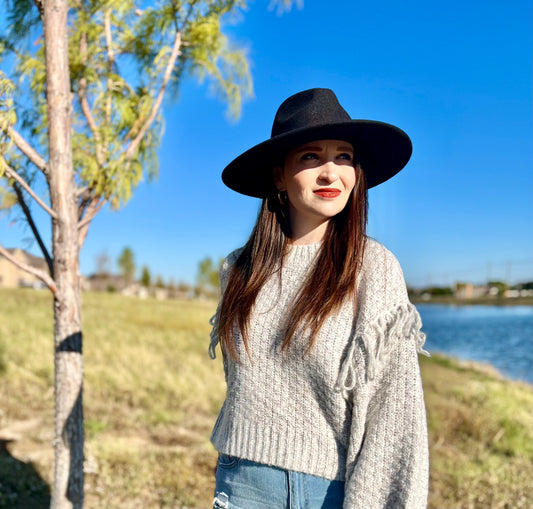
{"type": "Point", "coordinates": [481, 301]}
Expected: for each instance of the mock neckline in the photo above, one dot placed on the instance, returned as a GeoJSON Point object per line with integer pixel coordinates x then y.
{"type": "Point", "coordinates": [302, 253]}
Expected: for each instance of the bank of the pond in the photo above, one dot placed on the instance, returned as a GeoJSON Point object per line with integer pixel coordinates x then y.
{"type": "Point", "coordinates": [481, 436]}
{"type": "Point", "coordinates": [478, 301]}
{"type": "Point", "coordinates": [152, 396]}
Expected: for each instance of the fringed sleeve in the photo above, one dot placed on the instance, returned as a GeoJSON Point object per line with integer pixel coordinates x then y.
{"type": "Point", "coordinates": [213, 321]}
{"type": "Point", "coordinates": [223, 275]}
{"type": "Point", "coordinates": [387, 460]}
{"type": "Point", "coordinates": [403, 323]}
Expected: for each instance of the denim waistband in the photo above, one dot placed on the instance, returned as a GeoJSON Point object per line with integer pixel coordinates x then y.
{"type": "Point", "coordinates": [245, 484]}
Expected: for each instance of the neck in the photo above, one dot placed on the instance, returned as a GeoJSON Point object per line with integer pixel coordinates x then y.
{"type": "Point", "coordinates": [306, 233]}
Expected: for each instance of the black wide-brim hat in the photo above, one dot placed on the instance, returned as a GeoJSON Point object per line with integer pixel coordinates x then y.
{"type": "Point", "coordinates": [382, 149]}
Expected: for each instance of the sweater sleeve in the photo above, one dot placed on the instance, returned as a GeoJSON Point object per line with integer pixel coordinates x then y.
{"type": "Point", "coordinates": [223, 275]}
{"type": "Point", "coordinates": [387, 461]}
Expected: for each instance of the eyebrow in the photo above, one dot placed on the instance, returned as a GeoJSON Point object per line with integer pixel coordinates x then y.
{"type": "Point", "coordinates": [316, 148]}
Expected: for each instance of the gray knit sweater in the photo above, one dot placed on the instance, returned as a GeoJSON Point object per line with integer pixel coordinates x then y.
{"type": "Point", "coordinates": [353, 408]}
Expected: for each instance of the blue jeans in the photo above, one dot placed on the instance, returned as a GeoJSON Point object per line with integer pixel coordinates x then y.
{"type": "Point", "coordinates": [244, 484]}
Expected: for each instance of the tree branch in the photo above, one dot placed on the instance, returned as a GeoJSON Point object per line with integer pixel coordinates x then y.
{"type": "Point", "coordinates": [34, 229]}
{"type": "Point", "coordinates": [11, 173]}
{"type": "Point", "coordinates": [40, 6]}
{"type": "Point", "coordinates": [27, 150]}
{"type": "Point", "coordinates": [43, 276]}
{"type": "Point", "coordinates": [157, 104]}
{"type": "Point", "coordinates": [90, 212]}
{"type": "Point", "coordinates": [110, 63]}
{"type": "Point", "coordinates": [81, 191]}
{"type": "Point", "coordinates": [134, 128]}
{"type": "Point", "coordinates": [188, 15]}
{"type": "Point", "coordinates": [86, 109]}
{"type": "Point", "coordinates": [85, 198]}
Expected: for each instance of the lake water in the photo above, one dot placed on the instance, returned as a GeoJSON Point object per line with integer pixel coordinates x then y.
{"type": "Point", "coordinates": [498, 335]}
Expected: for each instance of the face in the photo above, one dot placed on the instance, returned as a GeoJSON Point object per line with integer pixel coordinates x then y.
{"type": "Point", "coordinates": [319, 178]}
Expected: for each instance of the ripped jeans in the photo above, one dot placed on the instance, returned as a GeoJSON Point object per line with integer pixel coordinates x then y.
{"type": "Point", "coordinates": [244, 484]}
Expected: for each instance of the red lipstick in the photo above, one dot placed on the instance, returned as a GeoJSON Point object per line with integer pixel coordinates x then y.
{"type": "Point", "coordinates": [327, 192]}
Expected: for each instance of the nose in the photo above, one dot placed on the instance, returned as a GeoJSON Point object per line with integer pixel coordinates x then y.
{"type": "Point", "coordinates": [328, 172]}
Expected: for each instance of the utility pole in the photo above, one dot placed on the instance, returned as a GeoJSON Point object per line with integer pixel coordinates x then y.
{"type": "Point", "coordinates": [508, 267]}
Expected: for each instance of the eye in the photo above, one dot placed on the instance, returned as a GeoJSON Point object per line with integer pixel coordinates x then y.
{"type": "Point", "coordinates": [345, 156]}
{"type": "Point", "coordinates": [308, 156]}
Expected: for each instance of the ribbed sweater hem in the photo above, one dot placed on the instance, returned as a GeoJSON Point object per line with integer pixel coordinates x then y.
{"type": "Point", "coordinates": [284, 448]}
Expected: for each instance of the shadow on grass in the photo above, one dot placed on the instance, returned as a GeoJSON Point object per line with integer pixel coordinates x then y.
{"type": "Point", "coordinates": [21, 487]}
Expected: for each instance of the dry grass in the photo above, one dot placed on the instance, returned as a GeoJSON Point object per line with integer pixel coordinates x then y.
{"type": "Point", "coordinates": [152, 395]}
{"type": "Point", "coordinates": [481, 437]}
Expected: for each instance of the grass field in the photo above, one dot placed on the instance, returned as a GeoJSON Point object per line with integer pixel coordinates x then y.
{"type": "Point", "coordinates": [152, 395]}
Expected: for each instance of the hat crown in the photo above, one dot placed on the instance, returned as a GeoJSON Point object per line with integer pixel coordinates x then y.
{"type": "Point", "coordinates": [310, 108]}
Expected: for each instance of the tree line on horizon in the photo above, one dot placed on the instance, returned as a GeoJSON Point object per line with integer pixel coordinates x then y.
{"type": "Point", "coordinates": [206, 281]}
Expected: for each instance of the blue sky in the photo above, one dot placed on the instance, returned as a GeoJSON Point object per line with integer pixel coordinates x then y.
{"type": "Point", "coordinates": [457, 77]}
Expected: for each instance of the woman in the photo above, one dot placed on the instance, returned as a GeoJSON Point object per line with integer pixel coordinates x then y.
{"type": "Point", "coordinates": [324, 405]}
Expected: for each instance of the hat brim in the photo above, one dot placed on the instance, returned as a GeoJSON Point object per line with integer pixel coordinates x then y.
{"type": "Point", "coordinates": [381, 148]}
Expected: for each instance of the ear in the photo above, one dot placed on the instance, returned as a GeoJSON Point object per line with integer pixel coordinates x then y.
{"type": "Point", "coordinates": [279, 179]}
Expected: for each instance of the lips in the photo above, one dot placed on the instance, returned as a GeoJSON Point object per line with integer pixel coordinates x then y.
{"type": "Point", "coordinates": [327, 193]}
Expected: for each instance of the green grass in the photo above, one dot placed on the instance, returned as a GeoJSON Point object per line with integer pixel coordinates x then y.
{"type": "Point", "coordinates": [152, 396]}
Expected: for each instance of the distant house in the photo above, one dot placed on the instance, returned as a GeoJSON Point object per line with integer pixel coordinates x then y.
{"type": "Point", "coordinates": [117, 283]}
{"type": "Point", "coordinates": [113, 283]}
{"type": "Point", "coordinates": [469, 291]}
{"type": "Point", "coordinates": [12, 277]}
{"type": "Point", "coordinates": [106, 283]}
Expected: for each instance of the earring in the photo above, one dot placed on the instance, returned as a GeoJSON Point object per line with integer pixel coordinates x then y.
{"type": "Point", "coordinates": [283, 197]}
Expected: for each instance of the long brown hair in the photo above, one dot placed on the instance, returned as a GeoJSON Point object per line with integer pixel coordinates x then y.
{"type": "Point", "coordinates": [333, 278]}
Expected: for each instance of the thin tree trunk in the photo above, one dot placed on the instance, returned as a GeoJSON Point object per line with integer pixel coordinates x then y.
{"type": "Point", "coordinates": [67, 491]}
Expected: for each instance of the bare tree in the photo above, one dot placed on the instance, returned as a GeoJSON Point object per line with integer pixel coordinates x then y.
{"type": "Point", "coordinates": [103, 264]}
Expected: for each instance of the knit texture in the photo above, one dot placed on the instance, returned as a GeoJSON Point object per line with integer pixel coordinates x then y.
{"type": "Point", "coordinates": [352, 409]}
